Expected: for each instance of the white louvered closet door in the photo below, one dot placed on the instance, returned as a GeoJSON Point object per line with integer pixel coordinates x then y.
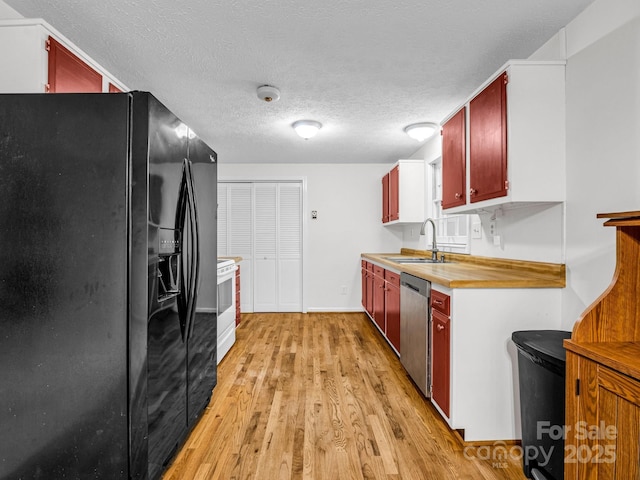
{"type": "Point", "coordinates": [290, 247]}
{"type": "Point", "coordinates": [235, 233]}
{"type": "Point", "coordinates": [278, 247]}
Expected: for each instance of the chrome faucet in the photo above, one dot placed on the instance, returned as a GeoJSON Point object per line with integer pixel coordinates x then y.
{"type": "Point", "coordinates": [434, 246]}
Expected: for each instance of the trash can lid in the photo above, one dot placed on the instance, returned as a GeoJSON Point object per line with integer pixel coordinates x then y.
{"type": "Point", "coordinates": [543, 344]}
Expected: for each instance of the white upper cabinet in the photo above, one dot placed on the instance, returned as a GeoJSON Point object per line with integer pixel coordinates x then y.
{"type": "Point", "coordinates": [512, 140]}
{"type": "Point", "coordinates": [404, 193]}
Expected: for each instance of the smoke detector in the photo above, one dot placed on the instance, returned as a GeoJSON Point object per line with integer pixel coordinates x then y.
{"type": "Point", "coordinates": [268, 93]}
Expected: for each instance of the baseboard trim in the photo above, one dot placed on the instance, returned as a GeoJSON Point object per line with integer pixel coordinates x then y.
{"type": "Point", "coordinates": [334, 310]}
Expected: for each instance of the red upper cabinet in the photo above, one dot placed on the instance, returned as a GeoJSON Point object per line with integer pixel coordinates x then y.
{"type": "Point", "coordinates": [488, 142]}
{"type": "Point", "coordinates": [41, 59]}
{"type": "Point", "coordinates": [515, 141]}
{"type": "Point", "coordinates": [113, 88]}
{"type": "Point", "coordinates": [385, 198]}
{"type": "Point", "coordinates": [394, 194]}
{"type": "Point", "coordinates": [454, 177]}
{"type": "Point", "coordinates": [68, 73]}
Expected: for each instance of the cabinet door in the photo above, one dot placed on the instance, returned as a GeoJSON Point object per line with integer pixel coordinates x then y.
{"type": "Point", "coordinates": [440, 360]}
{"type": "Point", "coordinates": [369, 304]}
{"type": "Point", "coordinates": [488, 142]}
{"type": "Point", "coordinates": [364, 285]}
{"type": "Point", "coordinates": [378, 302]}
{"type": "Point", "coordinates": [385, 198]}
{"type": "Point", "coordinates": [68, 73]}
{"type": "Point", "coordinates": [394, 193]}
{"type": "Point", "coordinates": [454, 161]}
{"type": "Point", "coordinates": [603, 415]}
{"type": "Point", "coordinates": [618, 449]}
{"type": "Point", "coordinates": [392, 311]}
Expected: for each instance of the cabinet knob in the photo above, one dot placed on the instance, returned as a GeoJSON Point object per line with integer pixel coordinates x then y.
{"type": "Point", "coordinates": [473, 191]}
{"type": "Point", "coordinates": [458, 196]}
{"type": "Point", "coordinates": [440, 327]}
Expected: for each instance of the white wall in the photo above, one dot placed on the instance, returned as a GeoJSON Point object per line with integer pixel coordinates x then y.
{"type": "Point", "coordinates": [348, 199]}
{"type": "Point", "coordinates": [603, 142]}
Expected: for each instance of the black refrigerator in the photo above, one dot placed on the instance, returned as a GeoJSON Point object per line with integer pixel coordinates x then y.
{"type": "Point", "coordinates": [107, 285]}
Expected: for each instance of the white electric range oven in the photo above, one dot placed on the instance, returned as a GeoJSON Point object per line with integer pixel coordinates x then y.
{"type": "Point", "coordinates": [226, 306]}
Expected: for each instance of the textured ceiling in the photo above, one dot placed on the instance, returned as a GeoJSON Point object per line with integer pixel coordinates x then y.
{"type": "Point", "coordinates": [365, 69]}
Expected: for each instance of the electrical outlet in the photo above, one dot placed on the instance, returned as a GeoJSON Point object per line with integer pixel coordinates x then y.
{"type": "Point", "coordinates": [496, 240]}
{"type": "Point", "coordinates": [476, 230]}
{"type": "Point", "coordinates": [493, 229]}
{"type": "Point", "coordinates": [343, 290]}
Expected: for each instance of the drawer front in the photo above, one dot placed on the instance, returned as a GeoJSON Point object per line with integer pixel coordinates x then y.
{"type": "Point", "coordinates": [378, 271]}
{"type": "Point", "coordinates": [392, 277]}
{"type": "Point", "coordinates": [440, 301]}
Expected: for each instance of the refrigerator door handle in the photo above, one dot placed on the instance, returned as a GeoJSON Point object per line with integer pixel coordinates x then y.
{"type": "Point", "coordinates": [195, 250]}
{"type": "Point", "coordinates": [183, 224]}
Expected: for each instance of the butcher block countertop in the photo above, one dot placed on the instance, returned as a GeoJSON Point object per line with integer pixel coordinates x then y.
{"type": "Point", "coordinates": [467, 271]}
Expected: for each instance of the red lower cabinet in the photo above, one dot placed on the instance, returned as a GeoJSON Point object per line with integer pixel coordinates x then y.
{"type": "Point", "coordinates": [440, 351]}
{"type": "Point", "coordinates": [378, 298]}
{"type": "Point", "coordinates": [392, 308]}
{"type": "Point", "coordinates": [381, 300]}
{"type": "Point", "coordinates": [238, 314]}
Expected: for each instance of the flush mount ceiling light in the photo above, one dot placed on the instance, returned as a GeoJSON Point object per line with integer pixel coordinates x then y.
{"type": "Point", "coordinates": [421, 131]}
{"type": "Point", "coordinates": [306, 128]}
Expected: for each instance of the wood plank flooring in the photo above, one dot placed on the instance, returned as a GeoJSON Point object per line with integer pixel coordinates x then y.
{"type": "Point", "coordinates": [321, 396]}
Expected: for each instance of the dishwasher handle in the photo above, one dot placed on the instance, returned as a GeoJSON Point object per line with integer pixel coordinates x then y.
{"type": "Point", "coordinates": [418, 285]}
{"type": "Point", "coordinates": [408, 285]}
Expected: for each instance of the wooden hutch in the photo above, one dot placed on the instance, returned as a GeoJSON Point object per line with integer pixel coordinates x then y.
{"type": "Point", "coordinates": [603, 371]}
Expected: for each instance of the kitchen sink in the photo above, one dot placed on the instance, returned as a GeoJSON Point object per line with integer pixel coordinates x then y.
{"type": "Point", "coordinates": [412, 260]}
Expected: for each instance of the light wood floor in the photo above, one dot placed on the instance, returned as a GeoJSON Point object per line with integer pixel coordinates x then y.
{"type": "Point", "coordinates": [321, 396]}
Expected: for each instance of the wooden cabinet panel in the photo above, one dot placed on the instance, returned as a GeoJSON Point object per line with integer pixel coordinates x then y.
{"type": "Point", "coordinates": [394, 193]}
{"type": "Point", "coordinates": [488, 142]}
{"type": "Point", "coordinates": [454, 159]}
{"type": "Point", "coordinates": [603, 416]}
{"type": "Point", "coordinates": [603, 371]}
{"type": "Point", "coordinates": [68, 73]}
{"type": "Point", "coordinates": [440, 360]}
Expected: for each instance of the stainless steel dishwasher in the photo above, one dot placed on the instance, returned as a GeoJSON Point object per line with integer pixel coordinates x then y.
{"type": "Point", "coordinates": [414, 329]}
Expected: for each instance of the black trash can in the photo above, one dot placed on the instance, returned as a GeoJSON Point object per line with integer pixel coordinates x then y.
{"type": "Point", "coordinates": [541, 371]}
